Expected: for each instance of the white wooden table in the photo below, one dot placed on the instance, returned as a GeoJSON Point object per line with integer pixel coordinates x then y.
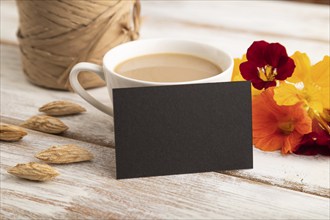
{"type": "Point", "coordinates": [279, 187]}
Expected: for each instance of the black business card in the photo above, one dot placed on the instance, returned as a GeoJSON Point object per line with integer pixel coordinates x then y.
{"type": "Point", "coordinates": [180, 129]}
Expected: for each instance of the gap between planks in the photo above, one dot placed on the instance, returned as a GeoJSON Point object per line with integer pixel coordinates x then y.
{"type": "Point", "coordinates": [217, 28]}
{"type": "Point", "coordinates": [8, 42]}
{"type": "Point", "coordinates": [82, 190]}
{"type": "Point", "coordinates": [16, 121]}
{"type": "Point", "coordinates": [237, 30]}
{"type": "Point", "coordinates": [209, 26]}
{"type": "Point", "coordinates": [290, 185]}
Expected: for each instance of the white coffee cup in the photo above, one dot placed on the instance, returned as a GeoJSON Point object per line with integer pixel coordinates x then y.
{"type": "Point", "coordinates": [137, 48]}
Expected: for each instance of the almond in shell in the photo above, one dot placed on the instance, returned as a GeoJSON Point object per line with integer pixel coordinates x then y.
{"type": "Point", "coordinates": [45, 124]}
{"type": "Point", "coordinates": [64, 154]}
{"type": "Point", "coordinates": [11, 132]}
{"type": "Point", "coordinates": [34, 171]}
{"type": "Point", "coordinates": [60, 108]}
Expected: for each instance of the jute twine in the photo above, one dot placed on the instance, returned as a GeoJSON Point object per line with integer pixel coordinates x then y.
{"type": "Point", "coordinates": [54, 35]}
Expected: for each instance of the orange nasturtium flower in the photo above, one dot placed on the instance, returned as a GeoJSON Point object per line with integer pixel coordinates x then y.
{"type": "Point", "coordinates": [237, 74]}
{"type": "Point", "coordinates": [278, 127]}
{"type": "Point", "coordinates": [308, 84]}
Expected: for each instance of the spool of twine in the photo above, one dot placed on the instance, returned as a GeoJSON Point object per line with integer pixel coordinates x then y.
{"type": "Point", "coordinates": [54, 35]}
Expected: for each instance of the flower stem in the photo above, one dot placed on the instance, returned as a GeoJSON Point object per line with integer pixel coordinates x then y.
{"type": "Point", "coordinates": [323, 123]}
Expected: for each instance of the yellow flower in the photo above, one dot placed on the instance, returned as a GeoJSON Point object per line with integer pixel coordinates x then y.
{"type": "Point", "coordinates": [236, 73]}
{"type": "Point", "coordinates": [303, 68]}
{"type": "Point", "coordinates": [236, 76]}
{"type": "Point", "coordinates": [308, 84]}
{"type": "Point", "coordinates": [320, 75]}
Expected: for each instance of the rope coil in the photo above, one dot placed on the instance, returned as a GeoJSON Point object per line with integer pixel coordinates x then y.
{"type": "Point", "coordinates": [54, 35]}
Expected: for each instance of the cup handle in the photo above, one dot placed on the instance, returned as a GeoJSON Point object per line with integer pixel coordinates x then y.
{"type": "Point", "coordinates": [84, 66]}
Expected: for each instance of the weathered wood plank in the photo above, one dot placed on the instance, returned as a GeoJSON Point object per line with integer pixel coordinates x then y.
{"type": "Point", "coordinates": [224, 15]}
{"type": "Point", "coordinates": [89, 190]}
{"type": "Point", "coordinates": [21, 100]}
{"type": "Point", "coordinates": [231, 25]}
{"type": "Point", "coordinates": [301, 173]}
{"type": "Point", "coordinates": [191, 22]}
{"type": "Point", "coordinates": [263, 18]}
{"type": "Point", "coordinates": [9, 21]}
{"type": "Point", "coordinates": [220, 23]}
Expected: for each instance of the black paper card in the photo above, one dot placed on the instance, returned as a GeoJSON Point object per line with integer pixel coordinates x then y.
{"type": "Point", "coordinates": [182, 129]}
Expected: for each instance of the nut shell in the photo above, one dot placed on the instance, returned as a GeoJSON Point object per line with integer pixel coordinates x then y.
{"type": "Point", "coordinates": [45, 124]}
{"type": "Point", "coordinates": [11, 132]}
{"type": "Point", "coordinates": [34, 171]}
{"type": "Point", "coordinates": [60, 108]}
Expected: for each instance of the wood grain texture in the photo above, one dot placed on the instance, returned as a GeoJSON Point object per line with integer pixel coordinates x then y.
{"type": "Point", "coordinates": [264, 18]}
{"type": "Point", "coordinates": [294, 172]}
{"type": "Point", "coordinates": [230, 25]}
{"type": "Point", "coordinates": [21, 100]}
{"type": "Point", "coordinates": [89, 190]}
{"type": "Point", "coordinates": [234, 25]}
{"type": "Point", "coordinates": [9, 21]}
{"type": "Point", "coordinates": [308, 174]}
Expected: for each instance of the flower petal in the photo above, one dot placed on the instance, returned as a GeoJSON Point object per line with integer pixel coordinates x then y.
{"type": "Point", "coordinates": [324, 150]}
{"type": "Point", "coordinates": [259, 85]}
{"type": "Point", "coordinates": [269, 143]}
{"type": "Point", "coordinates": [314, 97]}
{"type": "Point", "coordinates": [304, 125]}
{"type": "Point", "coordinates": [236, 76]}
{"type": "Point", "coordinates": [320, 73]}
{"type": "Point", "coordinates": [249, 71]}
{"type": "Point", "coordinates": [286, 94]}
{"type": "Point", "coordinates": [268, 84]}
{"type": "Point", "coordinates": [285, 68]}
{"type": "Point", "coordinates": [303, 68]}
{"type": "Point", "coordinates": [255, 92]}
{"type": "Point", "coordinates": [273, 53]}
{"type": "Point", "coordinates": [316, 106]}
{"type": "Point", "coordinates": [291, 142]}
{"type": "Point", "coordinates": [326, 115]}
{"type": "Point", "coordinates": [264, 123]}
{"type": "Point", "coordinates": [312, 149]}
{"type": "Point", "coordinates": [256, 53]}
{"type": "Point", "coordinates": [264, 112]}
{"type": "Point", "coordinates": [309, 144]}
{"type": "Point", "coordinates": [325, 94]}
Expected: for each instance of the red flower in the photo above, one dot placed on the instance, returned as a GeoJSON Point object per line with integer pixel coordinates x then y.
{"type": "Point", "coordinates": [266, 63]}
{"type": "Point", "coordinates": [316, 142]}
